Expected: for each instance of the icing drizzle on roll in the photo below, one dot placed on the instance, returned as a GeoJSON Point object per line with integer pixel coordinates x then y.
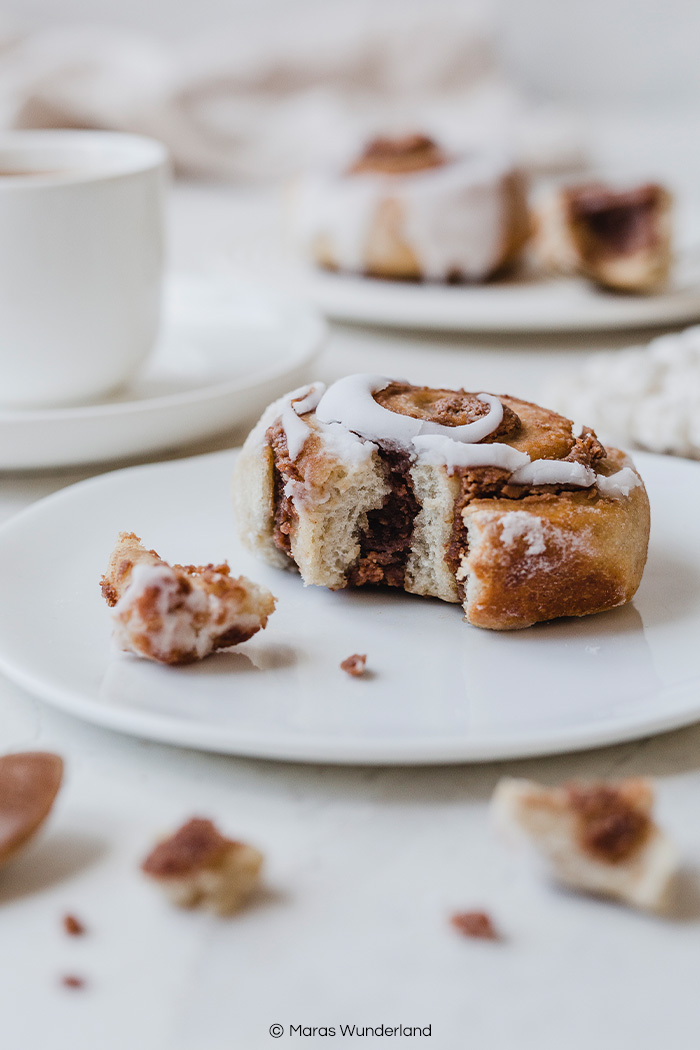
{"type": "Point", "coordinates": [349, 404]}
{"type": "Point", "coordinates": [303, 400]}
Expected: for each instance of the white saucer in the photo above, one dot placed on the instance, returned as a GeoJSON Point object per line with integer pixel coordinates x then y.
{"type": "Point", "coordinates": [440, 691]}
{"type": "Point", "coordinates": [226, 350]}
{"type": "Point", "coordinates": [523, 304]}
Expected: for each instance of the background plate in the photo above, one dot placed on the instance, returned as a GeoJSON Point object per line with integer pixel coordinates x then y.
{"type": "Point", "coordinates": [440, 691]}
{"type": "Point", "coordinates": [523, 304]}
{"type": "Point", "coordinates": [225, 351]}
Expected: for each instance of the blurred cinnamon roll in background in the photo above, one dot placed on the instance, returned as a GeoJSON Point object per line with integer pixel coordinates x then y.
{"type": "Point", "coordinates": [406, 208]}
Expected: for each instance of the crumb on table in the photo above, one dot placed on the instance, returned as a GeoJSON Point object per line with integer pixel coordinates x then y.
{"type": "Point", "coordinates": [73, 926]}
{"type": "Point", "coordinates": [475, 924]}
{"type": "Point", "coordinates": [197, 865]}
{"type": "Point", "coordinates": [73, 981]}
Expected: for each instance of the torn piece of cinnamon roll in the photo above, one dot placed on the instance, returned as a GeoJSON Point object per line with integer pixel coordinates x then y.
{"type": "Point", "coordinates": [621, 239]}
{"type": "Point", "coordinates": [598, 837]}
{"type": "Point", "coordinates": [493, 502]}
{"type": "Point", "coordinates": [177, 614]}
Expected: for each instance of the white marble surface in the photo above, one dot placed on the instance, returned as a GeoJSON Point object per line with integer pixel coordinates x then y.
{"type": "Point", "coordinates": [364, 865]}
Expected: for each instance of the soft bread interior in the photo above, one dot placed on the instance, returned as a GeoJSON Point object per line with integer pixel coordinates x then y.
{"type": "Point", "coordinates": [427, 571]}
{"type": "Point", "coordinates": [331, 516]}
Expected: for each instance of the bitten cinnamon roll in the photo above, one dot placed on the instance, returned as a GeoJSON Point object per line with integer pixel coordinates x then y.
{"type": "Point", "coordinates": [177, 614]}
{"type": "Point", "coordinates": [621, 239]}
{"type": "Point", "coordinates": [492, 502]}
{"type": "Point", "coordinates": [406, 208]}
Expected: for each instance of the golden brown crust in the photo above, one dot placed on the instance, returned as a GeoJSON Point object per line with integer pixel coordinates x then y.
{"type": "Point", "coordinates": [576, 553]}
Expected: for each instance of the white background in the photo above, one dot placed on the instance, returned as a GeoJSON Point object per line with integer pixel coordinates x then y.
{"type": "Point", "coordinates": [627, 52]}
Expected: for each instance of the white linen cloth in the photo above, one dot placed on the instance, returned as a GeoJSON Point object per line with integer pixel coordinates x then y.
{"type": "Point", "coordinates": [283, 88]}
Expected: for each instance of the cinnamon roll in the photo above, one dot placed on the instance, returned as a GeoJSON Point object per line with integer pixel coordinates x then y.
{"type": "Point", "coordinates": [492, 502]}
{"type": "Point", "coordinates": [406, 208]}
{"type": "Point", "coordinates": [621, 239]}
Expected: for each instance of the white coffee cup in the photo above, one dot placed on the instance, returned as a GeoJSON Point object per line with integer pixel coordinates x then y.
{"type": "Point", "coordinates": [81, 262]}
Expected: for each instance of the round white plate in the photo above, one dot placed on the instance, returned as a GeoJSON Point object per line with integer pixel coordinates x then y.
{"type": "Point", "coordinates": [519, 304]}
{"type": "Point", "coordinates": [226, 350]}
{"type": "Point", "coordinates": [439, 690]}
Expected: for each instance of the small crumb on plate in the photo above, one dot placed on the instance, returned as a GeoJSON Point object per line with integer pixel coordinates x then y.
{"type": "Point", "coordinates": [355, 665]}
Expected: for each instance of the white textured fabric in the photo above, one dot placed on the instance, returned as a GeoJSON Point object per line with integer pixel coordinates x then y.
{"type": "Point", "coordinates": [272, 94]}
{"type": "Point", "coordinates": [648, 396]}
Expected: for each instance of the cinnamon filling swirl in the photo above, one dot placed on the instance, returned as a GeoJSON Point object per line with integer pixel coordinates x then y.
{"type": "Point", "coordinates": [386, 543]}
{"type": "Point", "coordinates": [283, 470]}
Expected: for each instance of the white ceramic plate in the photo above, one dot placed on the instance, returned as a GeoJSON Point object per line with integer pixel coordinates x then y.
{"type": "Point", "coordinates": [440, 691]}
{"type": "Point", "coordinates": [525, 304]}
{"type": "Point", "coordinates": [226, 350]}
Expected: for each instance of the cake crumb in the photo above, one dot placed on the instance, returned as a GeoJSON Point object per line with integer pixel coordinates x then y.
{"type": "Point", "coordinates": [198, 866]}
{"type": "Point", "coordinates": [475, 924]}
{"type": "Point", "coordinates": [72, 981]}
{"type": "Point", "coordinates": [73, 927]}
{"type": "Point", "coordinates": [355, 665]}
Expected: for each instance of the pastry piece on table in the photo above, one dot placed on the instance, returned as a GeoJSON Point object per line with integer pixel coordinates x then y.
{"type": "Point", "coordinates": [177, 614]}
{"type": "Point", "coordinates": [29, 783]}
{"type": "Point", "coordinates": [492, 502]}
{"type": "Point", "coordinates": [598, 837]}
{"type": "Point", "coordinates": [621, 239]}
{"type": "Point", "coordinates": [406, 208]}
{"type": "Point", "coordinates": [198, 866]}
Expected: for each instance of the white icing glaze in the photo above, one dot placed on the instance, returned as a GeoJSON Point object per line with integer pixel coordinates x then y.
{"type": "Point", "coordinates": [310, 401]}
{"type": "Point", "coordinates": [273, 413]}
{"type": "Point", "coordinates": [177, 613]}
{"type": "Point", "coordinates": [553, 472]}
{"type": "Point", "coordinates": [186, 623]}
{"type": "Point", "coordinates": [296, 404]}
{"type": "Point", "coordinates": [438, 450]}
{"type": "Point", "coordinates": [518, 524]}
{"type": "Point", "coordinates": [620, 484]}
{"type": "Point", "coordinates": [350, 421]}
{"type": "Point", "coordinates": [454, 216]}
{"type": "Point", "coordinates": [350, 402]}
